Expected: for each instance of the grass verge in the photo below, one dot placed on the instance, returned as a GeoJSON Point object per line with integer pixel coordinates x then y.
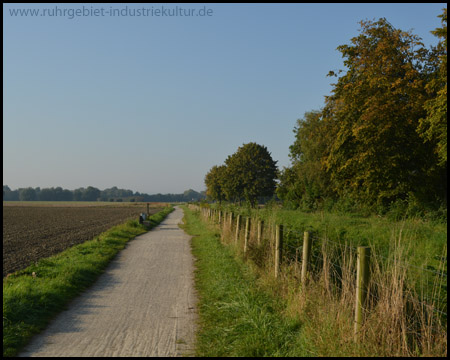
{"type": "Point", "coordinates": [33, 296]}
{"type": "Point", "coordinates": [236, 316]}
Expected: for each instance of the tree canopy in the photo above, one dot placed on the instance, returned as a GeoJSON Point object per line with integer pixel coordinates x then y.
{"type": "Point", "coordinates": [382, 133]}
{"type": "Point", "coordinates": [214, 181]}
{"type": "Point", "coordinates": [433, 127]}
{"type": "Point", "coordinates": [249, 174]}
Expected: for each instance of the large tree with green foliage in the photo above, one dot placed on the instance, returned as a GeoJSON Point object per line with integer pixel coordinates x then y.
{"type": "Point", "coordinates": [307, 181]}
{"type": "Point", "coordinates": [250, 173]}
{"type": "Point", "coordinates": [214, 181]}
{"type": "Point", "coordinates": [376, 155]}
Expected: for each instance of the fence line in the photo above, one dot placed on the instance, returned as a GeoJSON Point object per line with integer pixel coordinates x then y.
{"type": "Point", "coordinates": [288, 231]}
{"type": "Point", "coordinates": [270, 231]}
{"type": "Point", "coordinates": [298, 232]}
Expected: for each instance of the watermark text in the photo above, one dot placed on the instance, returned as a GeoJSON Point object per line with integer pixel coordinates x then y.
{"type": "Point", "coordinates": [111, 11]}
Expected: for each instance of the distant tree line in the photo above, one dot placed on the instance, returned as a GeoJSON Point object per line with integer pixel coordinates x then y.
{"type": "Point", "coordinates": [93, 194]}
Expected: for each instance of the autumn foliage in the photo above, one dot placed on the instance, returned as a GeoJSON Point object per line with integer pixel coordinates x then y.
{"type": "Point", "coordinates": [381, 136]}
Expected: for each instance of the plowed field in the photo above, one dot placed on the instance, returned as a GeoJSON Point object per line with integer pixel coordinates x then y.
{"type": "Point", "coordinates": [34, 232]}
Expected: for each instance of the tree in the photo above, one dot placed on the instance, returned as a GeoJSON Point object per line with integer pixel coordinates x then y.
{"type": "Point", "coordinates": [91, 194]}
{"type": "Point", "coordinates": [10, 195]}
{"type": "Point", "coordinates": [191, 195]}
{"type": "Point", "coordinates": [307, 182]}
{"type": "Point", "coordinates": [55, 194]}
{"type": "Point", "coordinates": [290, 189]}
{"type": "Point", "coordinates": [433, 127]}
{"type": "Point", "coordinates": [214, 181]}
{"type": "Point", "coordinates": [27, 194]}
{"type": "Point", "coordinates": [376, 155]}
{"type": "Point", "coordinates": [78, 194]}
{"type": "Point", "coordinates": [250, 173]}
{"type": "Point", "coordinates": [46, 195]}
{"type": "Point", "coordinates": [66, 195]}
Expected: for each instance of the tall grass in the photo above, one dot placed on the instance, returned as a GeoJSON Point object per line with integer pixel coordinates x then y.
{"type": "Point", "coordinates": [406, 313]}
{"type": "Point", "coordinates": [33, 296]}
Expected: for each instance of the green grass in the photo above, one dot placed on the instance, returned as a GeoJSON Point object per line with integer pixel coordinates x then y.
{"type": "Point", "coordinates": [31, 301]}
{"type": "Point", "coordinates": [407, 254]}
{"type": "Point", "coordinates": [237, 316]}
{"type": "Point", "coordinates": [425, 242]}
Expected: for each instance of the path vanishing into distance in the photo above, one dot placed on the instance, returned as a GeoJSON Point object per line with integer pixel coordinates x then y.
{"type": "Point", "coordinates": [143, 305]}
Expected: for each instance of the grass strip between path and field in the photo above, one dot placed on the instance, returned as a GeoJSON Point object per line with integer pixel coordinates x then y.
{"type": "Point", "coordinates": [236, 316]}
{"type": "Point", "coordinates": [33, 296]}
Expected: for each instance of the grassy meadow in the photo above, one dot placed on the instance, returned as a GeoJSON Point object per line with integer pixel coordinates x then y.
{"type": "Point", "coordinates": [424, 243]}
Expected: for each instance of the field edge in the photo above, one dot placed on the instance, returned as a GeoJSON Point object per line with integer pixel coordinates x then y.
{"type": "Point", "coordinates": [36, 294]}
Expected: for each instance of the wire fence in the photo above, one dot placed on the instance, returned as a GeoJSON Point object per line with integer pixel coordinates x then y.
{"type": "Point", "coordinates": [421, 292]}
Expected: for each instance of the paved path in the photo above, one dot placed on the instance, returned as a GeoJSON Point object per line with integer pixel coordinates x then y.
{"type": "Point", "coordinates": [143, 305]}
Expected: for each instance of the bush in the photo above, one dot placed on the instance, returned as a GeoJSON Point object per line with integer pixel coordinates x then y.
{"type": "Point", "coordinates": [344, 205]}
{"type": "Point", "coordinates": [397, 210]}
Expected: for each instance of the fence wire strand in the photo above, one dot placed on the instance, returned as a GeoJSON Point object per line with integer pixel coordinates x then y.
{"type": "Point", "coordinates": [298, 235]}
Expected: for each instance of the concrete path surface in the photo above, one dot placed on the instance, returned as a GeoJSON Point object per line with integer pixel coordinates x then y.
{"type": "Point", "coordinates": [143, 305]}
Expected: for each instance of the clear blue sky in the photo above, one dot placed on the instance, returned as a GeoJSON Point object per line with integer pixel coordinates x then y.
{"type": "Point", "coordinates": [151, 103]}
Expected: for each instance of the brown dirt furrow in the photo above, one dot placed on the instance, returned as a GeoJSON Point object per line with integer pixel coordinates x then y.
{"type": "Point", "coordinates": [32, 232]}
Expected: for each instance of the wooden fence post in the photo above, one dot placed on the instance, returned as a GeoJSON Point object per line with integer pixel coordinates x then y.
{"type": "Point", "coordinates": [222, 225]}
{"type": "Point", "coordinates": [362, 281]}
{"type": "Point", "coordinates": [306, 256]}
{"type": "Point", "coordinates": [238, 224]}
{"type": "Point", "coordinates": [247, 233]}
{"type": "Point", "coordinates": [260, 230]}
{"type": "Point", "coordinates": [225, 214]}
{"type": "Point", "coordinates": [278, 247]}
{"type": "Point", "coordinates": [231, 222]}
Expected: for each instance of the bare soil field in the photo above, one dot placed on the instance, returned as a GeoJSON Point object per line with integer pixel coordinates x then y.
{"type": "Point", "coordinates": [141, 205]}
{"type": "Point", "coordinates": [32, 232]}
